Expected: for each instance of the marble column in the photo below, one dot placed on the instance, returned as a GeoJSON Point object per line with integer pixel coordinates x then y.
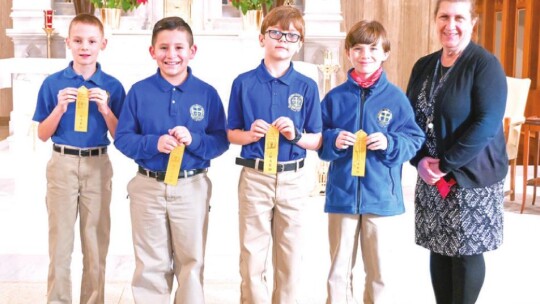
{"type": "Point", "coordinates": [29, 39]}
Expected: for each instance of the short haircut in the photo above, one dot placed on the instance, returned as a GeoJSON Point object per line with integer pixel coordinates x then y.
{"type": "Point", "coordinates": [87, 19]}
{"type": "Point", "coordinates": [283, 16]}
{"type": "Point", "coordinates": [367, 32]}
{"type": "Point", "coordinates": [172, 23]}
{"type": "Point", "coordinates": [474, 15]}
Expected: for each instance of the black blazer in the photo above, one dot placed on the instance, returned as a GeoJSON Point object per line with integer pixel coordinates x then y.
{"type": "Point", "coordinates": [468, 116]}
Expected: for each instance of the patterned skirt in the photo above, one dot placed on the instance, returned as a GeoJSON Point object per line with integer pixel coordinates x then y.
{"type": "Point", "coordinates": [468, 221]}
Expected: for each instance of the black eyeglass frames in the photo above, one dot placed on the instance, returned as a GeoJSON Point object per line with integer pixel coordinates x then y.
{"type": "Point", "coordinates": [290, 37]}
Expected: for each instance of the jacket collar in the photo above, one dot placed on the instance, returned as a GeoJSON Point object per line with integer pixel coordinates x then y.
{"type": "Point", "coordinates": [376, 88]}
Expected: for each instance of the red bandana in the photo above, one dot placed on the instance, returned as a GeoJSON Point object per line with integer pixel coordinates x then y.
{"type": "Point", "coordinates": [366, 83]}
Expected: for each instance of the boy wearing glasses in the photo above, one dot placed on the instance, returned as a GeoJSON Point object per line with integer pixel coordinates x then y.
{"type": "Point", "coordinates": [273, 96]}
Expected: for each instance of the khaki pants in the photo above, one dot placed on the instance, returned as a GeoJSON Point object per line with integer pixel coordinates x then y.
{"type": "Point", "coordinates": [375, 234]}
{"type": "Point", "coordinates": [169, 226]}
{"type": "Point", "coordinates": [78, 186]}
{"type": "Point", "coordinates": [270, 210]}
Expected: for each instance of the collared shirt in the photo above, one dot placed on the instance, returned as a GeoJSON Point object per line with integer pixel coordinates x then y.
{"type": "Point", "coordinates": [153, 106]}
{"type": "Point", "coordinates": [65, 133]}
{"type": "Point", "coordinates": [258, 95]}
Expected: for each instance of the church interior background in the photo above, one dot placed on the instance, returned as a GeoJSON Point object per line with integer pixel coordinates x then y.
{"type": "Point", "coordinates": [225, 49]}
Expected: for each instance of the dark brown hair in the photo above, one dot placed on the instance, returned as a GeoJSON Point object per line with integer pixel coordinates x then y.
{"type": "Point", "coordinates": [367, 32]}
{"type": "Point", "coordinates": [172, 23]}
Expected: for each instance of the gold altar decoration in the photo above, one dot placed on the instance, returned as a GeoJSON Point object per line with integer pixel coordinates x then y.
{"type": "Point", "coordinates": [181, 9]}
{"type": "Point", "coordinates": [48, 28]}
{"type": "Point", "coordinates": [252, 20]}
{"type": "Point", "coordinates": [111, 17]}
{"type": "Point", "coordinates": [328, 68]}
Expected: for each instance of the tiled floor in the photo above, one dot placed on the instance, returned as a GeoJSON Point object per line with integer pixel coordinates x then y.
{"type": "Point", "coordinates": [512, 271]}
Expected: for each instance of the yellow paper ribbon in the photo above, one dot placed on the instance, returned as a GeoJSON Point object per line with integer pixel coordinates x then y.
{"type": "Point", "coordinates": [359, 154]}
{"type": "Point", "coordinates": [81, 110]}
{"type": "Point", "coordinates": [271, 147]}
{"type": "Point", "coordinates": [173, 167]}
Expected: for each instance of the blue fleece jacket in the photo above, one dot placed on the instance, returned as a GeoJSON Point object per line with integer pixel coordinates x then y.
{"type": "Point", "coordinates": [381, 108]}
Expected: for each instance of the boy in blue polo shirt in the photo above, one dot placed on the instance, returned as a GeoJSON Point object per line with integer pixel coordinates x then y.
{"type": "Point", "coordinates": [169, 222]}
{"type": "Point", "coordinates": [79, 172]}
{"type": "Point", "coordinates": [271, 205]}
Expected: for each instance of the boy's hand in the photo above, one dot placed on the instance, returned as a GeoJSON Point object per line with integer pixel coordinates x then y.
{"type": "Point", "coordinates": [259, 128]}
{"type": "Point", "coordinates": [376, 141]}
{"type": "Point", "coordinates": [181, 134]}
{"type": "Point", "coordinates": [167, 143]}
{"type": "Point", "coordinates": [66, 96]}
{"type": "Point", "coordinates": [345, 139]}
{"type": "Point", "coordinates": [101, 98]}
{"type": "Point", "coordinates": [285, 126]}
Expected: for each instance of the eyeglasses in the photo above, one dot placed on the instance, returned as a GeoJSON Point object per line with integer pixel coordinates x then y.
{"type": "Point", "coordinates": [290, 37]}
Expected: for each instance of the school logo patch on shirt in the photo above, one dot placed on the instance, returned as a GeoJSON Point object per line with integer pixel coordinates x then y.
{"type": "Point", "coordinates": [295, 102]}
{"type": "Point", "coordinates": [383, 117]}
{"type": "Point", "coordinates": [197, 112]}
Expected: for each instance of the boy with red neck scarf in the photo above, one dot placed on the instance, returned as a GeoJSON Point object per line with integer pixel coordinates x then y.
{"type": "Point", "coordinates": [361, 209]}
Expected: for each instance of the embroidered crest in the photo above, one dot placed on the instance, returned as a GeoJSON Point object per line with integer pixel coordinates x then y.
{"type": "Point", "coordinates": [295, 102]}
{"type": "Point", "coordinates": [383, 117]}
{"type": "Point", "coordinates": [197, 112]}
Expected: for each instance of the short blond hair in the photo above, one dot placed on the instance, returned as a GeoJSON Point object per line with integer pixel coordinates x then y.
{"type": "Point", "coordinates": [87, 19]}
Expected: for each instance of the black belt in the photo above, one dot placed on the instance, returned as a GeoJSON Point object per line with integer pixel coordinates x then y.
{"type": "Point", "coordinates": [80, 152]}
{"type": "Point", "coordinates": [281, 167]}
{"type": "Point", "coordinates": [160, 175]}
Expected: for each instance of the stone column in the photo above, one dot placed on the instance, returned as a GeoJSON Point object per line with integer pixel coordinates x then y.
{"type": "Point", "coordinates": [29, 39]}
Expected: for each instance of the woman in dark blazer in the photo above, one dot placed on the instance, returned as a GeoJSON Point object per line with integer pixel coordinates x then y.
{"type": "Point", "coordinates": [459, 97]}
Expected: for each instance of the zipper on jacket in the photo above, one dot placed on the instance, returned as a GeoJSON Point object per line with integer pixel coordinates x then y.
{"type": "Point", "coordinates": [360, 120]}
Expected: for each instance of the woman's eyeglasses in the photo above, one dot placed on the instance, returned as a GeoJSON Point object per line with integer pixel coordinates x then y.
{"type": "Point", "coordinates": [290, 37]}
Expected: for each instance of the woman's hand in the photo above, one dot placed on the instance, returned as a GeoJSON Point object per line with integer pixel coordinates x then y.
{"type": "Point", "coordinates": [428, 170]}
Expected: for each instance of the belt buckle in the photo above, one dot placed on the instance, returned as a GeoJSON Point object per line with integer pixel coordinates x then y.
{"type": "Point", "coordinates": [280, 167]}
{"type": "Point", "coordinates": [82, 151]}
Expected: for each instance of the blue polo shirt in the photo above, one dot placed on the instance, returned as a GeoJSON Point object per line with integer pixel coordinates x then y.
{"type": "Point", "coordinates": [258, 95]}
{"type": "Point", "coordinates": [153, 106]}
{"type": "Point", "coordinates": [65, 133]}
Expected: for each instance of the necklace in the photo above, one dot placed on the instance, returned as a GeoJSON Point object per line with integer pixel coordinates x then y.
{"type": "Point", "coordinates": [443, 71]}
{"type": "Point", "coordinates": [436, 85]}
